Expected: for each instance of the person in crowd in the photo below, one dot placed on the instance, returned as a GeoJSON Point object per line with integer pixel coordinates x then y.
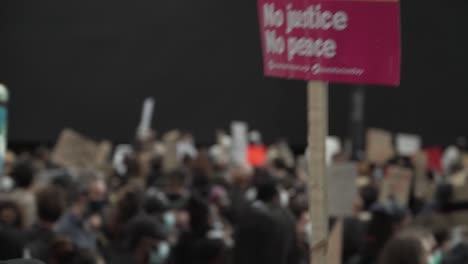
{"type": "Point", "coordinates": [143, 243]}
{"type": "Point", "coordinates": [203, 209]}
{"type": "Point", "coordinates": [387, 220]}
{"type": "Point", "coordinates": [266, 231]}
{"type": "Point", "coordinates": [50, 205]}
{"type": "Point", "coordinates": [74, 223]}
{"type": "Point", "coordinates": [300, 209]}
{"type": "Point", "coordinates": [23, 174]}
{"type": "Point", "coordinates": [10, 214]}
{"type": "Point", "coordinates": [404, 250]}
{"type": "Point", "coordinates": [11, 240]}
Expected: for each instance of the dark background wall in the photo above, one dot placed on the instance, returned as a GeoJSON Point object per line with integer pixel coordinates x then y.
{"type": "Point", "coordinates": [89, 64]}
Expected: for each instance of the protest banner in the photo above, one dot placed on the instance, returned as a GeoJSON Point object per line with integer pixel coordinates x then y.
{"type": "Point", "coordinates": [408, 145]}
{"type": "Point", "coordinates": [434, 158]}
{"type": "Point", "coordinates": [331, 40]}
{"type": "Point", "coordinates": [170, 160]}
{"type": "Point", "coordinates": [342, 189]}
{"type": "Point", "coordinates": [379, 147]}
{"type": "Point", "coordinates": [240, 142]}
{"type": "Point", "coordinates": [396, 185]}
{"type": "Point", "coordinates": [423, 187]}
{"type": "Point", "coordinates": [328, 40]}
{"type": "Point", "coordinates": [75, 151]}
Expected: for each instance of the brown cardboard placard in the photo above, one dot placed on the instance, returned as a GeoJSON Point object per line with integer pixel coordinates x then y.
{"type": "Point", "coordinates": [75, 151]}
{"type": "Point", "coordinates": [396, 184]}
{"type": "Point", "coordinates": [335, 244]}
{"type": "Point", "coordinates": [170, 161]}
{"type": "Point", "coordinates": [379, 147]}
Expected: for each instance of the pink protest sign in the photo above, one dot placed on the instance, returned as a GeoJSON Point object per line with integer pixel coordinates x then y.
{"type": "Point", "coordinates": [346, 41]}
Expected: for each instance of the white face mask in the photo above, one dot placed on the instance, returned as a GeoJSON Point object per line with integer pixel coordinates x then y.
{"type": "Point", "coordinates": [169, 220]}
{"type": "Point", "coordinates": [161, 254]}
{"type": "Point", "coordinates": [284, 198]}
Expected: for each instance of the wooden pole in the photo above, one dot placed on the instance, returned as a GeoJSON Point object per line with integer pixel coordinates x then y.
{"type": "Point", "coordinates": [317, 184]}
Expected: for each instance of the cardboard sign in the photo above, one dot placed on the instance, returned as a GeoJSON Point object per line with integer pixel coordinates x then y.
{"type": "Point", "coordinates": [170, 160]}
{"type": "Point", "coordinates": [396, 185]}
{"type": "Point", "coordinates": [434, 158]}
{"type": "Point", "coordinates": [408, 145]}
{"type": "Point", "coordinates": [424, 188]}
{"type": "Point", "coordinates": [379, 147]}
{"type": "Point", "coordinates": [331, 40]}
{"type": "Point", "coordinates": [335, 244]}
{"type": "Point", "coordinates": [75, 151]}
{"type": "Point", "coordinates": [342, 189]}
{"type": "Point", "coordinates": [239, 142]}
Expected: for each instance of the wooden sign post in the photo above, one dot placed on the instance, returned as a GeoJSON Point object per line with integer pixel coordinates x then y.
{"type": "Point", "coordinates": [294, 48]}
{"type": "Point", "coordinates": [317, 184]}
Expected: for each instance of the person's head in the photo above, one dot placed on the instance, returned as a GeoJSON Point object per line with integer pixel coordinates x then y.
{"type": "Point", "coordinates": [155, 202]}
{"type": "Point", "coordinates": [97, 195]}
{"type": "Point", "coordinates": [380, 229]}
{"type": "Point", "coordinates": [404, 250]}
{"type": "Point", "coordinates": [145, 239]}
{"type": "Point", "coordinates": [241, 174]}
{"type": "Point", "coordinates": [50, 204]}
{"type": "Point", "coordinates": [23, 174]}
{"type": "Point", "coordinates": [129, 203]}
{"type": "Point", "coordinates": [267, 190]}
{"type": "Point", "coordinates": [300, 208]}
{"type": "Point", "coordinates": [369, 195]}
{"type": "Point", "coordinates": [10, 214]}
{"type": "Point", "coordinates": [177, 182]}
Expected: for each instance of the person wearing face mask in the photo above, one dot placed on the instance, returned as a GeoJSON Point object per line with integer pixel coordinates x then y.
{"type": "Point", "coordinates": [97, 196]}
{"type": "Point", "coordinates": [156, 204]}
{"type": "Point", "coordinates": [144, 243]}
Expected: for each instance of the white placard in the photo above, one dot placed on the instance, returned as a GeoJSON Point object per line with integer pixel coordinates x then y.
{"type": "Point", "coordinates": [240, 142]}
{"type": "Point", "coordinates": [342, 189]}
{"type": "Point", "coordinates": [407, 144]}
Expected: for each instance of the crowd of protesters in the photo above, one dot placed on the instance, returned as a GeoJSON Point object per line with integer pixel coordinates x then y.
{"type": "Point", "coordinates": [202, 208]}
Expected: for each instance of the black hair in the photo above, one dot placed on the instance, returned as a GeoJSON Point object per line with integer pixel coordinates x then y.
{"type": "Point", "coordinates": [23, 174]}
{"type": "Point", "coordinates": [8, 204]}
{"type": "Point", "coordinates": [130, 204]}
{"type": "Point", "coordinates": [369, 195]}
{"type": "Point", "coordinates": [155, 202]}
{"type": "Point", "coordinates": [403, 250]}
{"type": "Point", "coordinates": [140, 227]}
{"type": "Point", "coordinates": [266, 188]}
{"type": "Point", "coordinates": [50, 203]}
